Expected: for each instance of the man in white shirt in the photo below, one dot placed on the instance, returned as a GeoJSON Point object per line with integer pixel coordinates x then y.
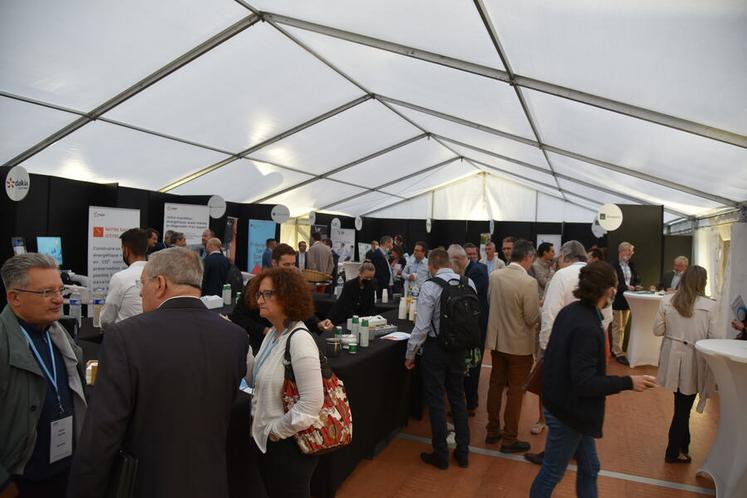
{"type": "Point", "coordinates": [123, 300]}
{"type": "Point", "coordinates": [491, 260]}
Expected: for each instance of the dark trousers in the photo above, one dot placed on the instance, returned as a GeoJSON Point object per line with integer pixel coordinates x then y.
{"type": "Point", "coordinates": [284, 470]}
{"type": "Point", "coordinates": [679, 430]}
{"type": "Point", "coordinates": [508, 371]}
{"type": "Point", "coordinates": [472, 379]}
{"type": "Point", "coordinates": [443, 373]}
{"type": "Point", "coordinates": [54, 487]}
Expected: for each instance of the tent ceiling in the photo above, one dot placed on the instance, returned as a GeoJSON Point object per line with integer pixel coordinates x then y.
{"type": "Point", "coordinates": [322, 107]}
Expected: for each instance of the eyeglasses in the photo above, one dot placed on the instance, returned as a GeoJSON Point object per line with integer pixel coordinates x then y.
{"type": "Point", "coordinates": [46, 293]}
{"type": "Point", "coordinates": [266, 294]}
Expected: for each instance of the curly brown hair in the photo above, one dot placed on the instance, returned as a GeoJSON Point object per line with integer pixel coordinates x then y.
{"type": "Point", "coordinates": [291, 292]}
{"type": "Point", "coordinates": [594, 280]}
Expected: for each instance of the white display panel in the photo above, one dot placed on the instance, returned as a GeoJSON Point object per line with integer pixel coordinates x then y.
{"type": "Point", "coordinates": [681, 157]}
{"type": "Point", "coordinates": [23, 125]}
{"type": "Point", "coordinates": [397, 163]}
{"type": "Point", "coordinates": [433, 25]}
{"type": "Point", "coordinates": [348, 136]}
{"type": "Point", "coordinates": [430, 179]}
{"type": "Point", "coordinates": [313, 196]}
{"type": "Point", "coordinates": [243, 181]}
{"type": "Point", "coordinates": [238, 95]}
{"type": "Point", "coordinates": [79, 53]}
{"type": "Point", "coordinates": [684, 58]}
{"type": "Point", "coordinates": [451, 91]}
{"type": "Point", "coordinates": [104, 153]}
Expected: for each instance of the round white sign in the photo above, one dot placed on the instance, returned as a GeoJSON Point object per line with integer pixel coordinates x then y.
{"type": "Point", "coordinates": [280, 214]}
{"type": "Point", "coordinates": [217, 206]}
{"type": "Point", "coordinates": [597, 229]}
{"type": "Point", "coordinates": [491, 227]}
{"type": "Point", "coordinates": [358, 223]}
{"type": "Point", "coordinates": [336, 224]}
{"type": "Point", "coordinates": [428, 225]}
{"type": "Point", "coordinates": [17, 183]}
{"type": "Point", "coordinates": [610, 217]}
{"type": "Point", "coordinates": [312, 218]}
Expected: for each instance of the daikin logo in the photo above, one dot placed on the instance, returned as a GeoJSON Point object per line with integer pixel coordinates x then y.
{"type": "Point", "coordinates": [17, 183]}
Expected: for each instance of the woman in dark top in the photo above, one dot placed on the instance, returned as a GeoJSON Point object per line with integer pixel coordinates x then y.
{"type": "Point", "coordinates": [575, 384]}
{"type": "Point", "coordinates": [397, 261]}
{"type": "Point", "coordinates": [357, 297]}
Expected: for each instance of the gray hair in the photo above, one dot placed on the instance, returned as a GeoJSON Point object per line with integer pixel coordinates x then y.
{"type": "Point", "coordinates": [457, 257]}
{"type": "Point", "coordinates": [179, 265]}
{"type": "Point", "coordinates": [573, 251]}
{"type": "Point", "coordinates": [683, 259]}
{"type": "Point", "coordinates": [15, 270]}
{"type": "Point", "coordinates": [367, 266]}
{"type": "Point", "coordinates": [624, 246]}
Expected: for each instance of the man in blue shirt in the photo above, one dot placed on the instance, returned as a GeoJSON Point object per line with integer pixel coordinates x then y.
{"type": "Point", "coordinates": [267, 255]}
{"type": "Point", "coordinates": [442, 370]}
{"type": "Point", "coordinates": [415, 272]}
{"type": "Point", "coordinates": [42, 403]}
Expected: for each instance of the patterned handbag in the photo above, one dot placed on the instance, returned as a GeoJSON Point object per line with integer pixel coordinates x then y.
{"type": "Point", "coordinates": [333, 428]}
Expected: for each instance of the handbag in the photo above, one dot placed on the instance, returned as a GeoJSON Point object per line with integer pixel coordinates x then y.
{"type": "Point", "coordinates": [333, 428]}
{"type": "Point", "coordinates": [534, 382]}
{"type": "Point", "coordinates": [124, 476]}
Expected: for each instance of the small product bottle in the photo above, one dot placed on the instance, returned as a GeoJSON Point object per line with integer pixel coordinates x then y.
{"type": "Point", "coordinates": [384, 297]}
{"type": "Point", "coordinates": [339, 286]}
{"type": "Point", "coordinates": [413, 305]}
{"type": "Point", "coordinates": [75, 306]}
{"type": "Point", "coordinates": [338, 332]}
{"type": "Point", "coordinates": [402, 314]}
{"type": "Point", "coordinates": [363, 334]}
{"type": "Point", "coordinates": [227, 295]}
{"type": "Point", "coordinates": [97, 304]}
{"type": "Point", "coordinates": [354, 329]}
{"type": "Point", "coordinates": [238, 297]}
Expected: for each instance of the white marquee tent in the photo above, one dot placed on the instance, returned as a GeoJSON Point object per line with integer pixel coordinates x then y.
{"type": "Point", "coordinates": [504, 109]}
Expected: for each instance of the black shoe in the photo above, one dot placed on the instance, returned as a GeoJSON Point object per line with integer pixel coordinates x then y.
{"type": "Point", "coordinates": [535, 458]}
{"type": "Point", "coordinates": [516, 447]}
{"type": "Point", "coordinates": [622, 360]}
{"type": "Point", "coordinates": [678, 459]}
{"type": "Point", "coordinates": [462, 461]}
{"type": "Point", "coordinates": [432, 459]}
{"type": "Point", "coordinates": [492, 439]}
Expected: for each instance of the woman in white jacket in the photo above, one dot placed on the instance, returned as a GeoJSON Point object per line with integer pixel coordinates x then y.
{"type": "Point", "coordinates": [684, 318]}
{"type": "Point", "coordinates": [283, 298]}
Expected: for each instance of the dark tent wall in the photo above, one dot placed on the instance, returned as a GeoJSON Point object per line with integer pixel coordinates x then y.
{"type": "Point", "coordinates": [642, 226]}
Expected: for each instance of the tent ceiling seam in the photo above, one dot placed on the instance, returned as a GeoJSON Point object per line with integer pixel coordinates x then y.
{"type": "Point", "coordinates": [553, 89]}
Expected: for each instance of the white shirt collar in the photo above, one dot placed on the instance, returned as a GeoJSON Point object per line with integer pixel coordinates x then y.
{"type": "Point", "coordinates": [179, 297]}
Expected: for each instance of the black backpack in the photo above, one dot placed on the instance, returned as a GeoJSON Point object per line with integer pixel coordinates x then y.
{"type": "Point", "coordinates": [235, 279]}
{"type": "Point", "coordinates": [459, 325]}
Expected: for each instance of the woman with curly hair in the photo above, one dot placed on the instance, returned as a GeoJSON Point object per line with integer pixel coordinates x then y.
{"type": "Point", "coordinates": [284, 300]}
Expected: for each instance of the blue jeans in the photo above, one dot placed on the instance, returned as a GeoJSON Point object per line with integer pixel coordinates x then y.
{"type": "Point", "coordinates": [563, 443]}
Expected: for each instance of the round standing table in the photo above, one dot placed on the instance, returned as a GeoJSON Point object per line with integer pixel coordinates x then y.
{"type": "Point", "coordinates": [727, 461]}
{"type": "Point", "coordinates": [643, 345]}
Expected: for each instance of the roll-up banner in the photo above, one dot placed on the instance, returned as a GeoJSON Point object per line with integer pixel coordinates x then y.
{"type": "Point", "coordinates": [189, 219]}
{"type": "Point", "coordinates": [259, 232]}
{"type": "Point", "coordinates": [105, 225]}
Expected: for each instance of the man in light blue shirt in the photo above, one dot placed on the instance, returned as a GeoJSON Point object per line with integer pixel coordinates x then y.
{"type": "Point", "coordinates": [442, 370]}
{"type": "Point", "coordinates": [416, 272]}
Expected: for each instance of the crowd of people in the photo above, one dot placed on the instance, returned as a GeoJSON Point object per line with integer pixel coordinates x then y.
{"type": "Point", "coordinates": [170, 369]}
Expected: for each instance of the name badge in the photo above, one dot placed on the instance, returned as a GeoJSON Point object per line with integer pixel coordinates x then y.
{"type": "Point", "coordinates": [61, 439]}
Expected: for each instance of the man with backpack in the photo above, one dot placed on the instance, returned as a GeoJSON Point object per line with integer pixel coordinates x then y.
{"type": "Point", "coordinates": [446, 327]}
{"type": "Point", "coordinates": [512, 331]}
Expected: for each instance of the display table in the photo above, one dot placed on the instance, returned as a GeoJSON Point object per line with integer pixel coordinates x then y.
{"type": "Point", "coordinates": [323, 304]}
{"type": "Point", "coordinates": [643, 345]}
{"type": "Point", "coordinates": [727, 461]}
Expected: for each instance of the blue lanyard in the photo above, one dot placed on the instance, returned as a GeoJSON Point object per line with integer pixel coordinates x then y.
{"type": "Point", "coordinates": [53, 376]}
{"type": "Point", "coordinates": [264, 354]}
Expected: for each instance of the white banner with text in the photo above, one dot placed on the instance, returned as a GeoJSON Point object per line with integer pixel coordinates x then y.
{"type": "Point", "coordinates": [105, 225]}
{"type": "Point", "coordinates": [189, 219]}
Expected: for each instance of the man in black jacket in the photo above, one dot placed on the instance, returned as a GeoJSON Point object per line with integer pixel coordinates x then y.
{"type": "Point", "coordinates": [216, 269]}
{"type": "Point", "coordinates": [671, 279]}
{"type": "Point", "coordinates": [478, 273]}
{"type": "Point", "coordinates": [167, 380]}
{"type": "Point", "coordinates": [627, 280]}
{"type": "Point", "coordinates": [380, 259]}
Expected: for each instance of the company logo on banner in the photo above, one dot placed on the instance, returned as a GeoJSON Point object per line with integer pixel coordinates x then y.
{"type": "Point", "coordinates": [259, 232]}
{"type": "Point", "coordinates": [343, 243]}
{"type": "Point", "coordinates": [105, 225]}
{"type": "Point", "coordinates": [17, 183]}
{"type": "Point", "coordinates": [189, 219]}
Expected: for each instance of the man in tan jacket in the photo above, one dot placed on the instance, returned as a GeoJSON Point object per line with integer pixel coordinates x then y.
{"type": "Point", "coordinates": [319, 256]}
{"type": "Point", "coordinates": [512, 327]}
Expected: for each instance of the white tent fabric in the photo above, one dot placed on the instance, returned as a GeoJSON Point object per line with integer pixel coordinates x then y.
{"type": "Point", "coordinates": [492, 109]}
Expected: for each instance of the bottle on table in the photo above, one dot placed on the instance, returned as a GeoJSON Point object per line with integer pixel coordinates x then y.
{"type": "Point", "coordinates": [339, 286]}
{"type": "Point", "coordinates": [412, 313]}
{"type": "Point", "coordinates": [97, 303]}
{"type": "Point", "coordinates": [338, 332]}
{"type": "Point", "coordinates": [384, 296]}
{"type": "Point", "coordinates": [238, 297]}
{"type": "Point", "coordinates": [363, 335]}
{"type": "Point", "coordinates": [227, 295]}
{"type": "Point", "coordinates": [354, 329]}
{"type": "Point", "coordinates": [75, 306]}
{"type": "Point", "coordinates": [402, 313]}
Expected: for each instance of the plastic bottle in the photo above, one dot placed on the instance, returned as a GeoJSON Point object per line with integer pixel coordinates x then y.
{"type": "Point", "coordinates": [75, 306]}
{"type": "Point", "coordinates": [339, 286]}
{"type": "Point", "coordinates": [363, 334]}
{"type": "Point", "coordinates": [354, 328]}
{"type": "Point", "coordinates": [402, 314]}
{"type": "Point", "coordinates": [238, 297]}
{"type": "Point", "coordinates": [338, 332]}
{"type": "Point", "coordinates": [97, 303]}
{"type": "Point", "coordinates": [384, 296]}
{"type": "Point", "coordinates": [413, 305]}
{"type": "Point", "coordinates": [227, 295]}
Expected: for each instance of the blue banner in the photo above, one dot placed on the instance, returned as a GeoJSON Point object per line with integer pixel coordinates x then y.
{"type": "Point", "coordinates": [259, 232]}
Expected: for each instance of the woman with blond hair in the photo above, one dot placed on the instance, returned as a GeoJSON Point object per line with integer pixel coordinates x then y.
{"type": "Point", "coordinates": [684, 318]}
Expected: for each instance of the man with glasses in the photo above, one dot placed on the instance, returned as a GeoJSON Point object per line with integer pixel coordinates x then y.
{"type": "Point", "coordinates": [123, 299]}
{"type": "Point", "coordinates": [416, 272]}
{"type": "Point", "coordinates": [42, 404]}
{"type": "Point", "coordinates": [166, 382]}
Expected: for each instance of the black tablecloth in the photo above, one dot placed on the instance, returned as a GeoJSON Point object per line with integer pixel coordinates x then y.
{"type": "Point", "coordinates": [323, 305]}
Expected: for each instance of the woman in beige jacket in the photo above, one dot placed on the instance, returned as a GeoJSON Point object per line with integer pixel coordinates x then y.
{"type": "Point", "coordinates": [684, 318]}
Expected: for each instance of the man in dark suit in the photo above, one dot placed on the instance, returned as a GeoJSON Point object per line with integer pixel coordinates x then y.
{"type": "Point", "coordinates": [380, 259]}
{"type": "Point", "coordinates": [301, 256]}
{"type": "Point", "coordinates": [478, 273]}
{"type": "Point", "coordinates": [671, 279]}
{"type": "Point", "coordinates": [216, 269]}
{"type": "Point", "coordinates": [627, 280]}
{"type": "Point", "coordinates": [167, 380]}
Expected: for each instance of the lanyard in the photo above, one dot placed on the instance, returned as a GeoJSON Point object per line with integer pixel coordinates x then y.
{"type": "Point", "coordinates": [264, 353]}
{"type": "Point", "coordinates": [51, 377]}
